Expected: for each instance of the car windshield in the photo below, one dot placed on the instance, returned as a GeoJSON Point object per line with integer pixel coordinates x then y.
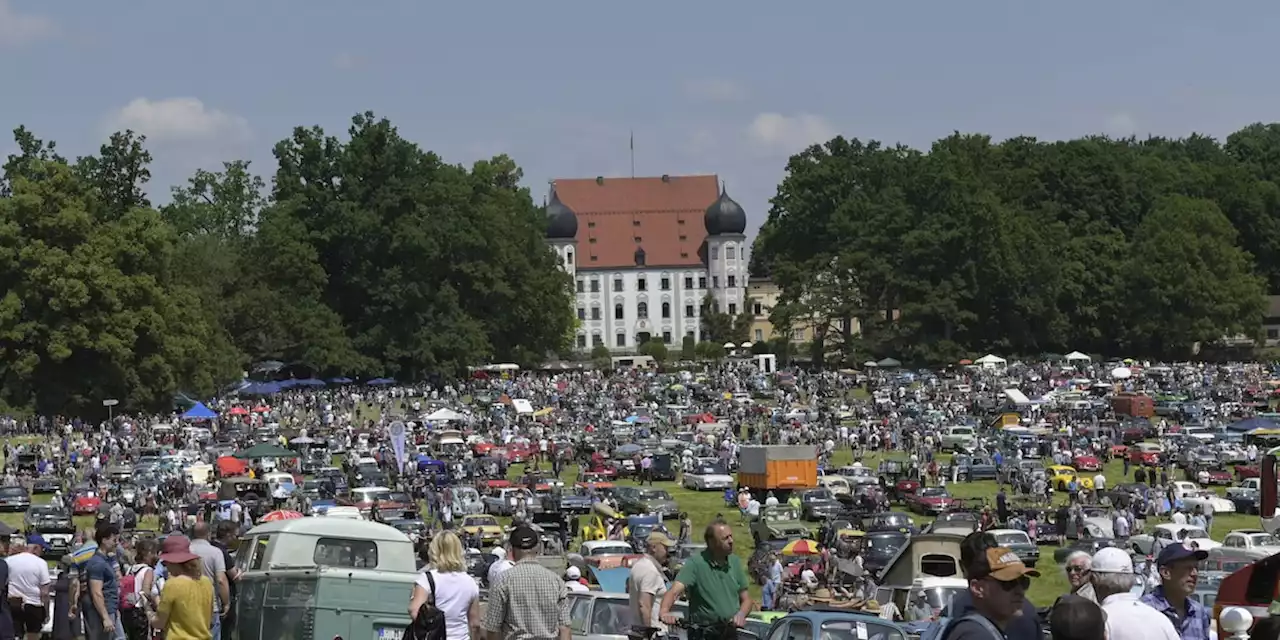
{"type": "Point", "coordinates": [1193, 533]}
{"type": "Point", "coordinates": [817, 494]}
{"type": "Point", "coordinates": [708, 469]}
{"type": "Point", "coordinates": [653, 494]}
{"type": "Point", "coordinates": [482, 521]}
{"type": "Point", "coordinates": [781, 515]}
{"type": "Point", "coordinates": [10, 492]}
{"type": "Point", "coordinates": [1006, 539]}
{"type": "Point", "coordinates": [933, 492]}
{"type": "Point", "coordinates": [940, 597]}
{"type": "Point", "coordinates": [885, 543]}
{"type": "Point", "coordinates": [1264, 540]}
{"type": "Point", "coordinates": [611, 549]}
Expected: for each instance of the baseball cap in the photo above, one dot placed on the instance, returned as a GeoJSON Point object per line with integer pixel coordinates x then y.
{"type": "Point", "coordinates": [1112, 560]}
{"type": "Point", "coordinates": [1182, 551]}
{"type": "Point", "coordinates": [524, 538]}
{"type": "Point", "coordinates": [658, 537]}
{"type": "Point", "coordinates": [1005, 565]}
{"type": "Point", "coordinates": [572, 573]}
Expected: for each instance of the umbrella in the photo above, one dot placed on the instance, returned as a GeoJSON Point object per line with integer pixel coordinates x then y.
{"type": "Point", "coordinates": [266, 450]}
{"type": "Point", "coordinates": [280, 515]}
{"type": "Point", "coordinates": [262, 409]}
{"type": "Point", "coordinates": [238, 411]}
{"type": "Point", "coordinates": [800, 548]}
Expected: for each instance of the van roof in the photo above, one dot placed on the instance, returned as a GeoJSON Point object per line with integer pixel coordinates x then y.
{"type": "Point", "coordinates": [356, 529]}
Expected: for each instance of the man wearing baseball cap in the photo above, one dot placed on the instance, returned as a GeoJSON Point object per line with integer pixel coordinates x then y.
{"type": "Point", "coordinates": [998, 582]}
{"type": "Point", "coordinates": [647, 582]}
{"type": "Point", "coordinates": [1179, 567]}
{"type": "Point", "coordinates": [528, 602]}
{"type": "Point", "coordinates": [1127, 617]}
{"type": "Point", "coordinates": [975, 566]}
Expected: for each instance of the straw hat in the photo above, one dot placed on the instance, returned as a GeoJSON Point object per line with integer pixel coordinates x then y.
{"type": "Point", "coordinates": [871, 606]}
{"type": "Point", "coordinates": [821, 595]}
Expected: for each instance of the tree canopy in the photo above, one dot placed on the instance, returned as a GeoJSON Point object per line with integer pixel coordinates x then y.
{"type": "Point", "coordinates": [367, 256]}
{"type": "Point", "coordinates": [1112, 246]}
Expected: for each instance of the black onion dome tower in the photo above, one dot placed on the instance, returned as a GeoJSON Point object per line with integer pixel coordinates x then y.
{"type": "Point", "coordinates": [725, 216]}
{"type": "Point", "coordinates": [562, 222]}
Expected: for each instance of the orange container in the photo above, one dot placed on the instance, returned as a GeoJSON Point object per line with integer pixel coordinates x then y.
{"type": "Point", "coordinates": [778, 467]}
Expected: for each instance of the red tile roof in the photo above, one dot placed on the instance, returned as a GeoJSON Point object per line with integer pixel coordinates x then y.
{"type": "Point", "coordinates": [666, 216]}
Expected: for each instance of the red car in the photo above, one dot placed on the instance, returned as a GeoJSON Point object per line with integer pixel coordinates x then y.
{"type": "Point", "coordinates": [1147, 455]}
{"type": "Point", "coordinates": [929, 500]}
{"type": "Point", "coordinates": [517, 452]}
{"type": "Point", "coordinates": [1219, 477]}
{"type": "Point", "coordinates": [86, 503]}
{"type": "Point", "coordinates": [1247, 471]}
{"type": "Point", "coordinates": [1086, 463]}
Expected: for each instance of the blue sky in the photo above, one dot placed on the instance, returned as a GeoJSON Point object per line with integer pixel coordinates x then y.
{"type": "Point", "coordinates": [707, 87]}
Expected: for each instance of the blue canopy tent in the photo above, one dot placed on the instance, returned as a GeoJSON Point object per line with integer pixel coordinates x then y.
{"type": "Point", "coordinates": [341, 380]}
{"type": "Point", "coordinates": [309, 382]}
{"type": "Point", "coordinates": [261, 389]}
{"type": "Point", "coordinates": [1245, 426]}
{"type": "Point", "coordinates": [380, 382]}
{"type": "Point", "coordinates": [199, 412]}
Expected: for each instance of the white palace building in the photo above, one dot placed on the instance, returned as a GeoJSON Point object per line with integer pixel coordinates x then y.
{"type": "Point", "coordinates": [645, 252]}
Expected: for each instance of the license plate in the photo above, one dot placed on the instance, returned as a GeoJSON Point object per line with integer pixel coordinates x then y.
{"type": "Point", "coordinates": [389, 633]}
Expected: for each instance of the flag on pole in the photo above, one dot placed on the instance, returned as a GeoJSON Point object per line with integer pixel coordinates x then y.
{"type": "Point", "coordinates": [633, 141]}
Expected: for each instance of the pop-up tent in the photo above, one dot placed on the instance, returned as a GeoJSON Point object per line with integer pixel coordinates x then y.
{"type": "Point", "coordinates": [199, 412]}
{"type": "Point", "coordinates": [1076, 356]}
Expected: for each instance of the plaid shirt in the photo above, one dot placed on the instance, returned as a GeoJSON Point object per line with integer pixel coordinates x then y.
{"type": "Point", "coordinates": [528, 603]}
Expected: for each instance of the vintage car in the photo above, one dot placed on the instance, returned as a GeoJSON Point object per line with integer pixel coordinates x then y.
{"type": "Point", "coordinates": [596, 615]}
{"type": "Point", "coordinates": [879, 547]}
{"type": "Point", "coordinates": [1146, 454]}
{"type": "Point", "coordinates": [1018, 542]}
{"type": "Point", "coordinates": [54, 524]}
{"type": "Point", "coordinates": [1166, 534]}
{"type": "Point", "coordinates": [1214, 475]}
{"type": "Point", "coordinates": [596, 480]}
{"type": "Point", "coordinates": [560, 500]}
{"type": "Point", "coordinates": [707, 474]}
{"type": "Point", "coordinates": [45, 485]}
{"type": "Point", "coordinates": [891, 521]}
{"type": "Point", "coordinates": [506, 501]}
{"type": "Point", "coordinates": [14, 498]}
{"type": "Point", "coordinates": [321, 578]}
{"type": "Point", "coordinates": [818, 504]}
{"type": "Point", "coordinates": [858, 475]}
{"type": "Point", "coordinates": [1086, 463]}
{"type": "Point", "coordinates": [930, 500]}
{"type": "Point", "coordinates": [1193, 496]}
{"type": "Point", "coordinates": [1061, 475]}
{"type": "Point", "coordinates": [1247, 545]}
{"type": "Point", "coordinates": [415, 528]}
{"type": "Point", "coordinates": [642, 500]}
{"type": "Point", "coordinates": [829, 623]}
{"type": "Point", "coordinates": [970, 468]}
{"type": "Point", "coordinates": [780, 523]}
{"type": "Point", "coordinates": [486, 526]}
{"type": "Point", "coordinates": [85, 502]}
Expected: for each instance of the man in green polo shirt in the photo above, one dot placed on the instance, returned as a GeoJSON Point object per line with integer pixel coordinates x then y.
{"type": "Point", "coordinates": [716, 587]}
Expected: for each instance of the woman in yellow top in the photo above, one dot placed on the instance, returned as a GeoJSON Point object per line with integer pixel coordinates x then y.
{"type": "Point", "coordinates": [186, 602]}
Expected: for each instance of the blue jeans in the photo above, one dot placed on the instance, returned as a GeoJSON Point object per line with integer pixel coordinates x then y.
{"type": "Point", "coordinates": [217, 620]}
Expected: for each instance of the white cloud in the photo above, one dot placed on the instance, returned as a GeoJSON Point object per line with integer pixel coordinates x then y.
{"type": "Point", "coordinates": [715, 90]}
{"type": "Point", "coordinates": [18, 29]}
{"type": "Point", "coordinates": [782, 133]}
{"type": "Point", "coordinates": [1121, 124]}
{"type": "Point", "coordinates": [179, 120]}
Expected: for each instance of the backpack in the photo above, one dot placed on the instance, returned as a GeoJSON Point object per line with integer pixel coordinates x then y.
{"type": "Point", "coordinates": [429, 623]}
{"type": "Point", "coordinates": [944, 626]}
{"type": "Point", "coordinates": [129, 586]}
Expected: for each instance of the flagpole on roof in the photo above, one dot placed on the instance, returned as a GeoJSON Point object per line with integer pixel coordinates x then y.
{"type": "Point", "coordinates": [633, 153]}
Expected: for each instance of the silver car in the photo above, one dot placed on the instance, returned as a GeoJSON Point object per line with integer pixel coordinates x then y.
{"type": "Point", "coordinates": [596, 615]}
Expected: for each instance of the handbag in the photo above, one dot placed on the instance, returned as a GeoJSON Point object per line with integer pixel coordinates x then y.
{"type": "Point", "coordinates": [429, 623]}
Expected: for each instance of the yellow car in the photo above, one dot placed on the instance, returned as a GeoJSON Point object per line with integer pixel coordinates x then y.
{"type": "Point", "coordinates": [486, 526]}
{"type": "Point", "coordinates": [1060, 475]}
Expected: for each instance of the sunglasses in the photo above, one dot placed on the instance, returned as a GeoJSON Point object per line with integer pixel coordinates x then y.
{"type": "Point", "coordinates": [1077, 570]}
{"type": "Point", "coordinates": [1009, 585]}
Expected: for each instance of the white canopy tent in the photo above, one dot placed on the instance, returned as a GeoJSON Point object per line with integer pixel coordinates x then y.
{"type": "Point", "coordinates": [1076, 356]}
{"type": "Point", "coordinates": [444, 415]}
{"type": "Point", "coordinates": [990, 361]}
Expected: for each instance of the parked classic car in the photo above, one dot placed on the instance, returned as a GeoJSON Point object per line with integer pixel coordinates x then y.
{"type": "Point", "coordinates": [642, 500]}
{"type": "Point", "coordinates": [14, 498]}
{"type": "Point", "coordinates": [1166, 534]}
{"type": "Point", "coordinates": [1248, 544]}
{"type": "Point", "coordinates": [707, 474]}
{"type": "Point", "coordinates": [779, 523]}
{"type": "Point", "coordinates": [1018, 542]}
{"type": "Point", "coordinates": [930, 500]}
{"type": "Point", "coordinates": [818, 504]}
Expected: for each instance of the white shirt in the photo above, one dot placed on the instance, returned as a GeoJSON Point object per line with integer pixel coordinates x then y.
{"type": "Point", "coordinates": [1130, 619]}
{"type": "Point", "coordinates": [455, 591]}
{"type": "Point", "coordinates": [1179, 517]}
{"type": "Point", "coordinates": [27, 574]}
{"type": "Point", "coordinates": [574, 585]}
{"type": "Point", "coordinates": [496, 570]}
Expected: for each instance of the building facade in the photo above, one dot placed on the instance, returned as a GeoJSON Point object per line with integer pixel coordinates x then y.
{"type": "Point", "coordinates": [644, 253]}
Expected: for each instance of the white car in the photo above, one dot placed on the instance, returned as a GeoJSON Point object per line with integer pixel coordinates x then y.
{"type": "Point", "coordinates": [858, 475]}
{"type": "Point", "coordinates": [1248, 544]}
{"type": "Point", "coordinates": [1206, 499]}
{"type": "Point", "coordinates": [707, 474]}
{"type": "Point", "coordinates": [1166, 534]}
